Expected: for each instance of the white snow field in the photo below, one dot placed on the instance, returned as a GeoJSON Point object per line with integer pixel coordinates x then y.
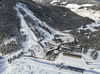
{"type": "Point", "coordinates": [31, 65]}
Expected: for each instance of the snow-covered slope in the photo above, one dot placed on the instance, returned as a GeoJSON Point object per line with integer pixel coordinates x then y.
{"type": "Point", "coordinates": [64, 2]}
{"type": "Point", "coordinates": [86, 12]}
{"type": "Point", "coordinates": [37, 64]}
{"type": "Point", "coordinates": [31, 38]}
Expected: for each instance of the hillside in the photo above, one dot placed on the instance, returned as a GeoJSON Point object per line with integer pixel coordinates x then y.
{"type": "Point", "coordinates": [67, 1]}
{"type": "Point", "coordinates": [10, 24]}
{"type": "Point", "coordinates": [48, 39]}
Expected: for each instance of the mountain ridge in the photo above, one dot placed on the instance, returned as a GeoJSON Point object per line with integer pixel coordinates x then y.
{"type": "Point", "coordinates": [68, 1]}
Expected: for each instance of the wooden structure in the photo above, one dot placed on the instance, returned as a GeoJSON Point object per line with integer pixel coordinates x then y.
{"type": "Point", "coordinates": [72, 55]}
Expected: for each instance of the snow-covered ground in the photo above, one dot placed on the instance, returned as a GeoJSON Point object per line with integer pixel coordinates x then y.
{"type": "Point", "coordinates": [27, 65]}
{"type": "Point", "coordinates": [95, 64]}
{"type": "Point", "coordinates": [86, 12]}
{"type": "Point", "coordinates": [54, 1]}
{"type": "Point", "coordinates": [31, 41]}
{"type": "Point", "coordinates": [91, 27]}
{"type": "Point", "coordinates": [64, 2]}
{"type": "Point", "coordinates": [7, 41]}
{"type": "Point", "coordinates": [95, 15]}
{"type": "Point", "coordinates": [30, 65]}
